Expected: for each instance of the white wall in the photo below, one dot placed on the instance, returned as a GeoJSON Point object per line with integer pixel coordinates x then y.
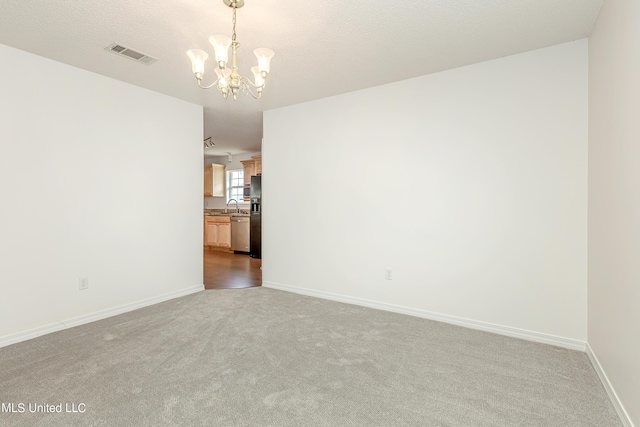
{"type": "Point", "coordinates": [221, 202]}
{"type": "Point", "coordinates": [98, 178]}
{"type": "Point", "coordinates": [490, 161]}
{"type": "Point", "coordinates": [614, 198]}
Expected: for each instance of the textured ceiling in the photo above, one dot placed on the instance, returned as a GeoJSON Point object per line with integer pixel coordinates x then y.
{"type": "Point", "coordinates": [323, 48]}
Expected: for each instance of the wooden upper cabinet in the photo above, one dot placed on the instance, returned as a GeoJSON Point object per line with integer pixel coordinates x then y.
{"type": "Point", "coordinates": [208, 180]}
{"type": "Point", "coordinates": [258, 164]}
{"type": "Point", "coordinates": [249, 167]}
{"type": "Point", "coordinates": [214, 181]}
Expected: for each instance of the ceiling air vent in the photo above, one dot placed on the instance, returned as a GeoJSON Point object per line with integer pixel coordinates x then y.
{"type": "Point", "coordinates": [130, 53]}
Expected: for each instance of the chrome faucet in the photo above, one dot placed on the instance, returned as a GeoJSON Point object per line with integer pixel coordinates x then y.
{"type": "Point", "coordinates": [234, 200]}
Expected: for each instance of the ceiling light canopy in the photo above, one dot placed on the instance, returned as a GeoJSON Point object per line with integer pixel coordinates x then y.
{"type": "Point", "coordinates": [228, 79]}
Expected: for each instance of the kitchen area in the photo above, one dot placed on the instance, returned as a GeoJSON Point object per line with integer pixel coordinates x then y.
{"type": "Point", "coordinates": [232, 222]}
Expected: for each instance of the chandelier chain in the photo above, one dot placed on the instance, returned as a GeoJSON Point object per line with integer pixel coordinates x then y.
{"type": "Point", "coordinates": [234, 23]}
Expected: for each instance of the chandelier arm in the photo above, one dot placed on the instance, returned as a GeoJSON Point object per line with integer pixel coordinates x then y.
{"type": "Point", "coordinates": [246, 80]}
{"type": "Point", "coordinates": [245, 88]}
{"type": "Point", "coordinates": [210, 86]}
{"type": "Point", "coordinates": [255, 97]}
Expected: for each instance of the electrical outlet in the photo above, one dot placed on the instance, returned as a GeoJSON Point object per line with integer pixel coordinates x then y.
{"type": "Point", "coordinates": [83, 283]}
{"type": "Point", "coordinates": [387, 273]}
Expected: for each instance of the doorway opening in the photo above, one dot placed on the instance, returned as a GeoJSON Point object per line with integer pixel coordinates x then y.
{"type": "Point", "coordinates": [232, 222]}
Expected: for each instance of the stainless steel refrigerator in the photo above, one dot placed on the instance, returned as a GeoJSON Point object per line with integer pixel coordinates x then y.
{"type": "Point", "coordinates": [255, 217]}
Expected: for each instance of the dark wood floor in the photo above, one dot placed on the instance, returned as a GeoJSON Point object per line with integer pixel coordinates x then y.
{"type": "Point", "coordinates": [231, 271]}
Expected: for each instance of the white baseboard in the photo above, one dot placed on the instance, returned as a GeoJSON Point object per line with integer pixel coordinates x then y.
{"type": "Point", "coordinates": [613, 396]}
{"type": "Point", "coordinates": [31, 333]}
{"type": "Point", "coordinates": [569, 343]}
{"type": "Point", "coordinates": [92, 317]}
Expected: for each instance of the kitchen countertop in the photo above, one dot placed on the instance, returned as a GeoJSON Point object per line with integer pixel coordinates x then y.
{"type": "Point", "coordinates": [223, 212]}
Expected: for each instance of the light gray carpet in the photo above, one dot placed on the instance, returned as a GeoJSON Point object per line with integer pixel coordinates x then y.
{"type": "Point", "coordinates": [261, 357]}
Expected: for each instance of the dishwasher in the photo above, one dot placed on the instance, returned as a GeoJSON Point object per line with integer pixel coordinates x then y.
{"type": "Point", "coordinates": [240, 234]}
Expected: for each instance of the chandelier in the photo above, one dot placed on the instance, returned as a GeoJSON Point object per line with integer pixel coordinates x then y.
{"type": "Point", "coordinates": [229, 80]}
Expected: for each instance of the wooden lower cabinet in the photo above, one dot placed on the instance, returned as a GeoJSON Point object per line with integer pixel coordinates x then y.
{"type": "Point", "coordinates": [217, 231]}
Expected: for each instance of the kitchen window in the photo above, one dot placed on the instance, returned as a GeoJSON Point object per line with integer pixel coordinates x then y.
{"type": "Point", "coordinates": [235, 185]}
